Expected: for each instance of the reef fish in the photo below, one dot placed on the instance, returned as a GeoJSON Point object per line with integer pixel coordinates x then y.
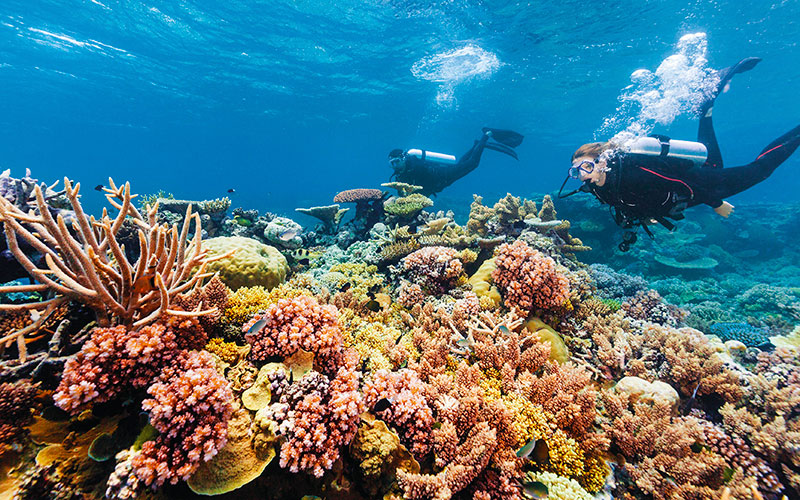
{"type": "Point", "coordinates": [242, 221]}
{"type": "Point", "coordinates": [258, 325]}
{"type": "Point", "coordinates": [289, 234]}
{"type": "Point", "coordinates": [536, 450]}
{"type": "Point", "coordinates": [382, 404]}
{"type": "Point", "coordinates": [535, 489]}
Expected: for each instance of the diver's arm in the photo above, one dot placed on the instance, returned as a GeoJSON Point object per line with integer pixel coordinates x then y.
{"type": "Point", "coordinates": [724, 209]}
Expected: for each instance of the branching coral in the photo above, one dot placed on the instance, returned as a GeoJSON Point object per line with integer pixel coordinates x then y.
{"type": "Point", "coordinates": [317, 416]}
{"type": "Point", "coordinates": [528, 279]}
{"type": "Point", "coordinates": [298, 323]}
{"type": "Point", "coordinates": [16, 405]}
{"type": "Point", "coordinates": [408, 411]}
{"type": "Point", "coordinates": [190, 407]}
{"type": "Point", "coordinates": [435, 269]}
{"type": "Point", "coordinates": [86, 262]}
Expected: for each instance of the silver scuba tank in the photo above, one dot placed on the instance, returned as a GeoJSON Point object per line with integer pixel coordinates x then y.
{"type": "Point", "coordinates": [431, 156]}
{"type": "Point", "coordinates": [670, 148]}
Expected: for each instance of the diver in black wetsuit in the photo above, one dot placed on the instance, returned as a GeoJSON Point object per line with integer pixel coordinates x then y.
{"type": "Point", "coordinates": [646, 188]}
{"type": "Point", "coordinates": [436, 171]}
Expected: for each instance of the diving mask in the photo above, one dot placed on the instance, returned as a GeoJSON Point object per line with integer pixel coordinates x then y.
{"type": "Point", "coordinates": [586, 166]}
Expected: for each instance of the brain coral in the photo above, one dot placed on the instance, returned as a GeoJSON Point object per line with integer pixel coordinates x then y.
{"type": "Point", "coordinates": [254, 263]}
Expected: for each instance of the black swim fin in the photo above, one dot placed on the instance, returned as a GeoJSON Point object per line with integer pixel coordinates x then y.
{"type": "Point", "coordinates": [507, 137]}
{"type": "Point", "coordinates": [725, 76]}
{"type": "Point", "coordinates": [502, 148]}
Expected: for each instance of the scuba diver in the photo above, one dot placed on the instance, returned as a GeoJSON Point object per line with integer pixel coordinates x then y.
{"type": "Point", "coordinates": [657, 178]}
{"type": "Point", "coordinates": [436, 171]}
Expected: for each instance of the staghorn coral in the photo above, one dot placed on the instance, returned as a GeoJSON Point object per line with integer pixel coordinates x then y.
{"type": "Point", "coordinates": [298, 323]}
{"type": "Point", "coordinates": [408, 411]}
{"type": "Point", "coordinates": [527, 279]}
{"type": "Point", "coordinates": [94, 270]}
{"type": "Point", "coordinates": [190, 406]}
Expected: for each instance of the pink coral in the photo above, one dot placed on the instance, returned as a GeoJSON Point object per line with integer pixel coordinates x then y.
{"type": "Point", "coordinates": [112, 360]}
{"type": "Point", "coordinates": [408, 411]}
{"type": "Point", "coordinates": [298, 323]}
{"type": "Point", "coordinates": [317, 417]}
{"type": "Point", "coordinates": [190, 407]}
{"type": "Point", "coordinates": [435, 269]}
{"type": "Point", "coordinates": [410, 294]}
{"type": "Point", "coordinates": [16, 405]}
{"type": "Point", "coordinates": [358, 195]}
{"type": "Point", "coordinates": [528, 279]}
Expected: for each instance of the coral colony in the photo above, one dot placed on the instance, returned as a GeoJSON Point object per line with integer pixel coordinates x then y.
{"type": "Point", "coordinates": [166, 349]}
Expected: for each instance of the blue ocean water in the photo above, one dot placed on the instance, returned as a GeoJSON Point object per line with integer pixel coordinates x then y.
{"type": "Point", "coordinates": [288, 102]}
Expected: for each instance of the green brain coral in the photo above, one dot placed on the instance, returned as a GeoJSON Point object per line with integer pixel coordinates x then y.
{"type": "Point", "coordinates": [253, 263]}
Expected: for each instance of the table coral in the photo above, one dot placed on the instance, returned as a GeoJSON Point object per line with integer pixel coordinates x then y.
{"type": "Point", "coordinates": [190, 406]}
{"type": "Point", "coordinates": [528, 279]}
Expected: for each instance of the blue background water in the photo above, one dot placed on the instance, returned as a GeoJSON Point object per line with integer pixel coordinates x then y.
{"type": "Point", "coordinates": [289, 102]}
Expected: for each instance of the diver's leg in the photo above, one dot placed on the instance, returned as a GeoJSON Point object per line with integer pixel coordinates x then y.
{"type": "Point", "coordinates": [706, 135]}
{"type": "Point", "coordinates": [469, 161]}
{"type": "Point", "coordinates": [731, 181]}
{"type": "Point", "coordinates": [705, 131]}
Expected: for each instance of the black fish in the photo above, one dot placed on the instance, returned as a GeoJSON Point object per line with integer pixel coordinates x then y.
{"type": "Point", "coordinates": [399, 338]}
{"type": "Point", "coordinates": [382, 404]}
{"type": "Point", "coordinates": [345, 287]}
{"type": "Point", "coordinates": [364, 364]}
{"type": "Point", "coordinates": [99, 187]}
{"type": "Point", "coordinates": [374, 289]}
{"type": "Point", "coordinates": [519, 225]}
{"type": "Point", "coordinates": [303, 262]}
{"type": "Point", "coordinates": [231, 191]}
{"type": "Point", "coordinates": [373, 305]}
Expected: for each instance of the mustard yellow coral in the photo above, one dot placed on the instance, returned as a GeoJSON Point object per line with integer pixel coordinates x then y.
{"type": "Point", "coordinates": [228, 352]}
{"type": "Point", "coordinates": [246, 301]}
{"type": "Point", "coordinates": [361, 277]}
{"type": "Point", "coordinates": [372, 341]}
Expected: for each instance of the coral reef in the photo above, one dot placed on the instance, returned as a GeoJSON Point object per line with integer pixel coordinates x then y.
{"type": "Point", "coordinates": [245, 262]}
{"type": "Point", "coordinates": [527, 279]}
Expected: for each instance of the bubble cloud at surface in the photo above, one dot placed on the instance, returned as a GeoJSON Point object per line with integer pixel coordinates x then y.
{"type": "Point", "coordinates": [679, 85]}
{"type": "Point", "coordinates": [455, 67]}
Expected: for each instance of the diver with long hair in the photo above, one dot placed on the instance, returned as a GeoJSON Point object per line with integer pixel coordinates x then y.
{"type": "Point", "coordinates": [436, 171]}
{"type": "Point", "coordinates": [657, 178]}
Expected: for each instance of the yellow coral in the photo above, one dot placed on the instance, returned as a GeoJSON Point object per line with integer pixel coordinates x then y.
{"type": "Point", "coordinates": [372, 341]}
{"type": "Point", "coordinates": [530, 422]}
{"type": "Point", "coordinates": [228, 352]}
{"type": "Point", "coordinates": [481, 283]}
{"type": "Point", "coordinates": [566, 457]}
{"type": "Point", "coordinates": [361, 277]}
{"type": "Point", "coordinates": [246, 301]}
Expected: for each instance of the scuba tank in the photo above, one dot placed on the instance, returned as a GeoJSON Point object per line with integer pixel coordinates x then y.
{"type": "Point", "coordinates": [659, 145]}
{"type": "Point", "coordinates": [431, 156]}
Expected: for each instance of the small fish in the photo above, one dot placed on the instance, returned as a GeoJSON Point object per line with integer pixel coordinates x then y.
{"type": "Point", "coordinates": [437, 425]}
{"type": "Point", "coordinates": [698, 447]}
{"type": "Point", "coordinates": [291, 377]}
{"type": "Point", "coordinates": [364, 364]}
{"type": "Point", "coordinates": [526, 449]}
{"type": "Point", "coordinates": [373, 305]}
{"type": "Point", "coordinates": [242, 221]}
{"type": "Point", "coordinates": [412, 230]}
{"type": "Point", "coordinates": [519, 225]}
{"type": "Point", "coordinates": [375, 289]}
{"type": "Point", "coordinates": [231, 191]}
{"type": "Point", "coordinates": [304, 262]}
{"type": "Point", "coordinates": [541, 452]}
{"type": "Point", "coordinates": [727, 474]}
{"type": "Point", "coordinates": [289, 234]}
{"type": "Point", "coordinates": [144, 284]}
{"type": "Point", "coordinates": [535, 490]}
{"type": "Point", "coordinates": [258, 325]}
{"type": "Point", "coordinates": [404, 364]}
{"type": "Point", "coordinates": [99, 187]}
{"type": "Point", "coordinates": [504, 330]}
{"type": "Point", "coordinates": [345, 287]}
{"type": "Point", "coordinates": [399, 338]}
{"type": "Point", "coordinates": [382, 404]}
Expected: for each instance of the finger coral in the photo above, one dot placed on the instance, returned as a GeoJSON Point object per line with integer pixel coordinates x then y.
{"type": "Point", "coordinates": [16, 405]}
{"type": "Point", "coordinates": [408, 411]}
{"type": "Point", "coordinates": [190, 406]}
{"type": "Point", "coordinates": [527, 279]}
{"type": "Point", "coordinates": [298, 323]}
{"type": "Point", "coordinates": [435, 269]}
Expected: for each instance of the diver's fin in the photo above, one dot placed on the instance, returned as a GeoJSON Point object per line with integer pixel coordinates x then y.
{"type": "Point", "coordinates": [507, 137]}
{"type": "Point", "coordinates": [725, 76]}
{"type": "Point", "coordinates": [502, 148]}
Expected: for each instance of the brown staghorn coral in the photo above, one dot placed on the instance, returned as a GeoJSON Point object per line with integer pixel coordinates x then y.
{"type": "Point", "coordinates": [86, 262]}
